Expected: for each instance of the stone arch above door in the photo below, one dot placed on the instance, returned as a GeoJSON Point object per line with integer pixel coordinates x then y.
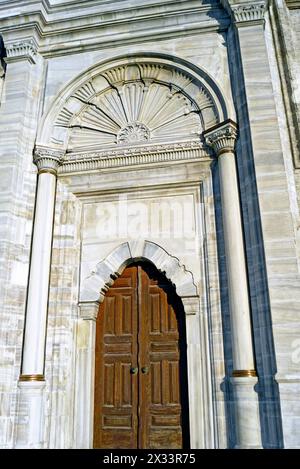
{"type": "Point", "coordinates": [132, 101]}
{"type": "Point", "coordinates": [94, 286]}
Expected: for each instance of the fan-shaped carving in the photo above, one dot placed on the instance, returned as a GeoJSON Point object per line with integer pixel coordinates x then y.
{"type": "Point", "coordinates": [136, 103]}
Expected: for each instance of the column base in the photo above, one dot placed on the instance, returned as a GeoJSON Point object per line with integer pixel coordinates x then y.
{"type": "Point", "coordinates": [248, 431]}
{"type": "Point", "coordinates": [30, 418]}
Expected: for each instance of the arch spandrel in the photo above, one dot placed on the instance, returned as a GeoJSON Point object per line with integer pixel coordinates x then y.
{"type": "Point", "coordinates": [133, 100]}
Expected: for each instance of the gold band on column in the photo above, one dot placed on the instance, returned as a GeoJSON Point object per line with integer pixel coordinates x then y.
{"type": "Point", "coordinates": [47, 170]}
{"type": "Point", "coordinates": [32, 378]}
{"type": "Point", "coordinates": [244, 373]}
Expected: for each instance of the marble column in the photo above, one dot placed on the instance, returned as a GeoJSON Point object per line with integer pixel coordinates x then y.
{"type": "Point", "coordinates": [222, 139]}
{"type": "Point", "coordinates": [32, 382]}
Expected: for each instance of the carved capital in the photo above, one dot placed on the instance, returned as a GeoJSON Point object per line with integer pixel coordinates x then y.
{"type": "Point", "coordinates": [48, 160]}
{"type": "Point", "coordinates": [254, 12]}
{"type": "Point", "coordinates": [244, 12]}
{"type": "Point", "coordinates": [191, 305]}
{"type": "Point", "coordinates": [222, 137]}
{"type": "Point", "coordinates": [89, 310]}
{"type": "Point", "coordinates": [21, 50]}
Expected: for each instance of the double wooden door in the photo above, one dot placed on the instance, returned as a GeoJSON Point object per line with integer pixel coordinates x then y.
{"type": "Point", "coordinates": [140, 372]}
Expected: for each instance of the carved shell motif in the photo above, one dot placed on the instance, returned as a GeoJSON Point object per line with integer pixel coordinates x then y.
{"type": "Point", "coordinates": [127, 111]}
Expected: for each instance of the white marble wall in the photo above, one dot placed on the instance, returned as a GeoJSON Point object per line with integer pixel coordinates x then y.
{"type": "Point", "coordinates": [266, 163]}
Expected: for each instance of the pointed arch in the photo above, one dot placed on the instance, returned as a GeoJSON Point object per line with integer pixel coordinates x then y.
{"type": "Point", "coordinates": [95, 285]}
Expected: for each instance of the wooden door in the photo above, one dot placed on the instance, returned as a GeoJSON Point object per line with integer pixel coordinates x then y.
{"type": "Point", "coordinates": [140, 375]}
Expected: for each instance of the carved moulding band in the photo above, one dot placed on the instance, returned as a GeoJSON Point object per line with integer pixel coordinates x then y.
{"type": "Point", "coordinates": [32, 378]}
{"type": "Point", "coordinates": [145, 155]}
{"type": "Point", "coordinates": [222, 137]}
{"type": "Point", "coordinates": [22, 50]}
{"type": "Point", "coordinates": [244, 373]}
{"type": "Point", "coordinates": [47, 160]}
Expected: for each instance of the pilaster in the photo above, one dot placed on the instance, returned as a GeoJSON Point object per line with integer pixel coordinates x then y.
{"type": "Point", "coordinates": [222, 139]}
{"type": "Point", "coordinates": [268, 196]}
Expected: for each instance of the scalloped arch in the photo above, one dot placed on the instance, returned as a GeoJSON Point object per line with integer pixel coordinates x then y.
{"type": "Point", "coordinates": [134, 99]}
{"type": "Point", "coordinates": [94, 287]}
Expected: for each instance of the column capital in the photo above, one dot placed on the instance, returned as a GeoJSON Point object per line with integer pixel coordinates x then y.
{"type": "Point", "coordinates": [48, 159]}
{"type": "Point", "coordinates": [222, 137]}
{"type": "Point", "coordinates": [244, 12]}
{"type": "Point", "coordinates": [89, 310]}
{"type": "Point", "coordinates": [21, 50]}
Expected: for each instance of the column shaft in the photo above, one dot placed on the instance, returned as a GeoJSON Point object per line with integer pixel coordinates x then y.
{"type": "Point", "coordinates": [30, 431]}
{"type": "Point", "coordinates": [247, 422]}
{"type": "Point", "coordinates": [36, 315]}
{"type": "Point", "coordinates": [235, 263]}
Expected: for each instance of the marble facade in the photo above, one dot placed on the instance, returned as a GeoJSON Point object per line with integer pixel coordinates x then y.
{"type": "Point", "coordinates": [168, 132]}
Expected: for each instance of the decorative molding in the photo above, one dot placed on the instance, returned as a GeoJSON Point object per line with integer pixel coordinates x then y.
{"type": "Point", "coordinates": [293, 4]}
{"type": "Point", "coordinates": [222, 138]}
{"type": "Point", "coordinates": [47, 160]}
{"type": "Point", "coordinates": [133, 156]}
{"type": "Point", "coordinates": [22, 50]}
{"type": "Point", "coordinates": [95, 285]}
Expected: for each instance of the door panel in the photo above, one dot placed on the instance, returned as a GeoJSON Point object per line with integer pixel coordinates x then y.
{"type": "Point", "coordinates": [160, 418]}
{"type": "Point", "coordinates": [115, 412]}
{"type": "Point", "coordinates": [137, 327]}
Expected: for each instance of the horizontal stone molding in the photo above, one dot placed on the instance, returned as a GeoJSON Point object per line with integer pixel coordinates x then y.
{"type": "Point", "coordinates": [21, 50]}
{"type": "Point", "coordinates": [89, 161]}
{"type": "Point", "coordinates": [293, 4]}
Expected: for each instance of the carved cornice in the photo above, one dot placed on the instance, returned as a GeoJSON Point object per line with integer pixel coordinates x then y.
{"type": "Point", "coordinates": [48, 160]}
{"type": "Point", "coordinates": [22, 50]}
{"type": "Point", "coordinates": [222, 138]}
{"type": "Point", "coordinates": [133, 156]}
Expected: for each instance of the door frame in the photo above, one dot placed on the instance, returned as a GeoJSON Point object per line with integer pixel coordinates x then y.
{"type": "Point", "coordinates": [198, 356]}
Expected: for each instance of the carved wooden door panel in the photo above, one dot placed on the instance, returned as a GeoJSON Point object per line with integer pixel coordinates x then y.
{"type": "Point", "coordinates": [137, 377]}
{"type": "Point", "coordinates": [159, 390]}
{"type": "Point", "coordinates": [116, 387]}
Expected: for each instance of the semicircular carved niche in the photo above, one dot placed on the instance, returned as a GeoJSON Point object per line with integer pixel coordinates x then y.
{"type": "Point", "coordinates": [135, 104]}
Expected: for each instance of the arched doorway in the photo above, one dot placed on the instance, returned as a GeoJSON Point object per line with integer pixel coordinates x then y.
{"type": "Point", "coordinates": [141, 395]}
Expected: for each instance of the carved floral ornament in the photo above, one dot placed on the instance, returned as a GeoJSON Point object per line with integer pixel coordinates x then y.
{"type": "Point", "coordinates": [134, 104]}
